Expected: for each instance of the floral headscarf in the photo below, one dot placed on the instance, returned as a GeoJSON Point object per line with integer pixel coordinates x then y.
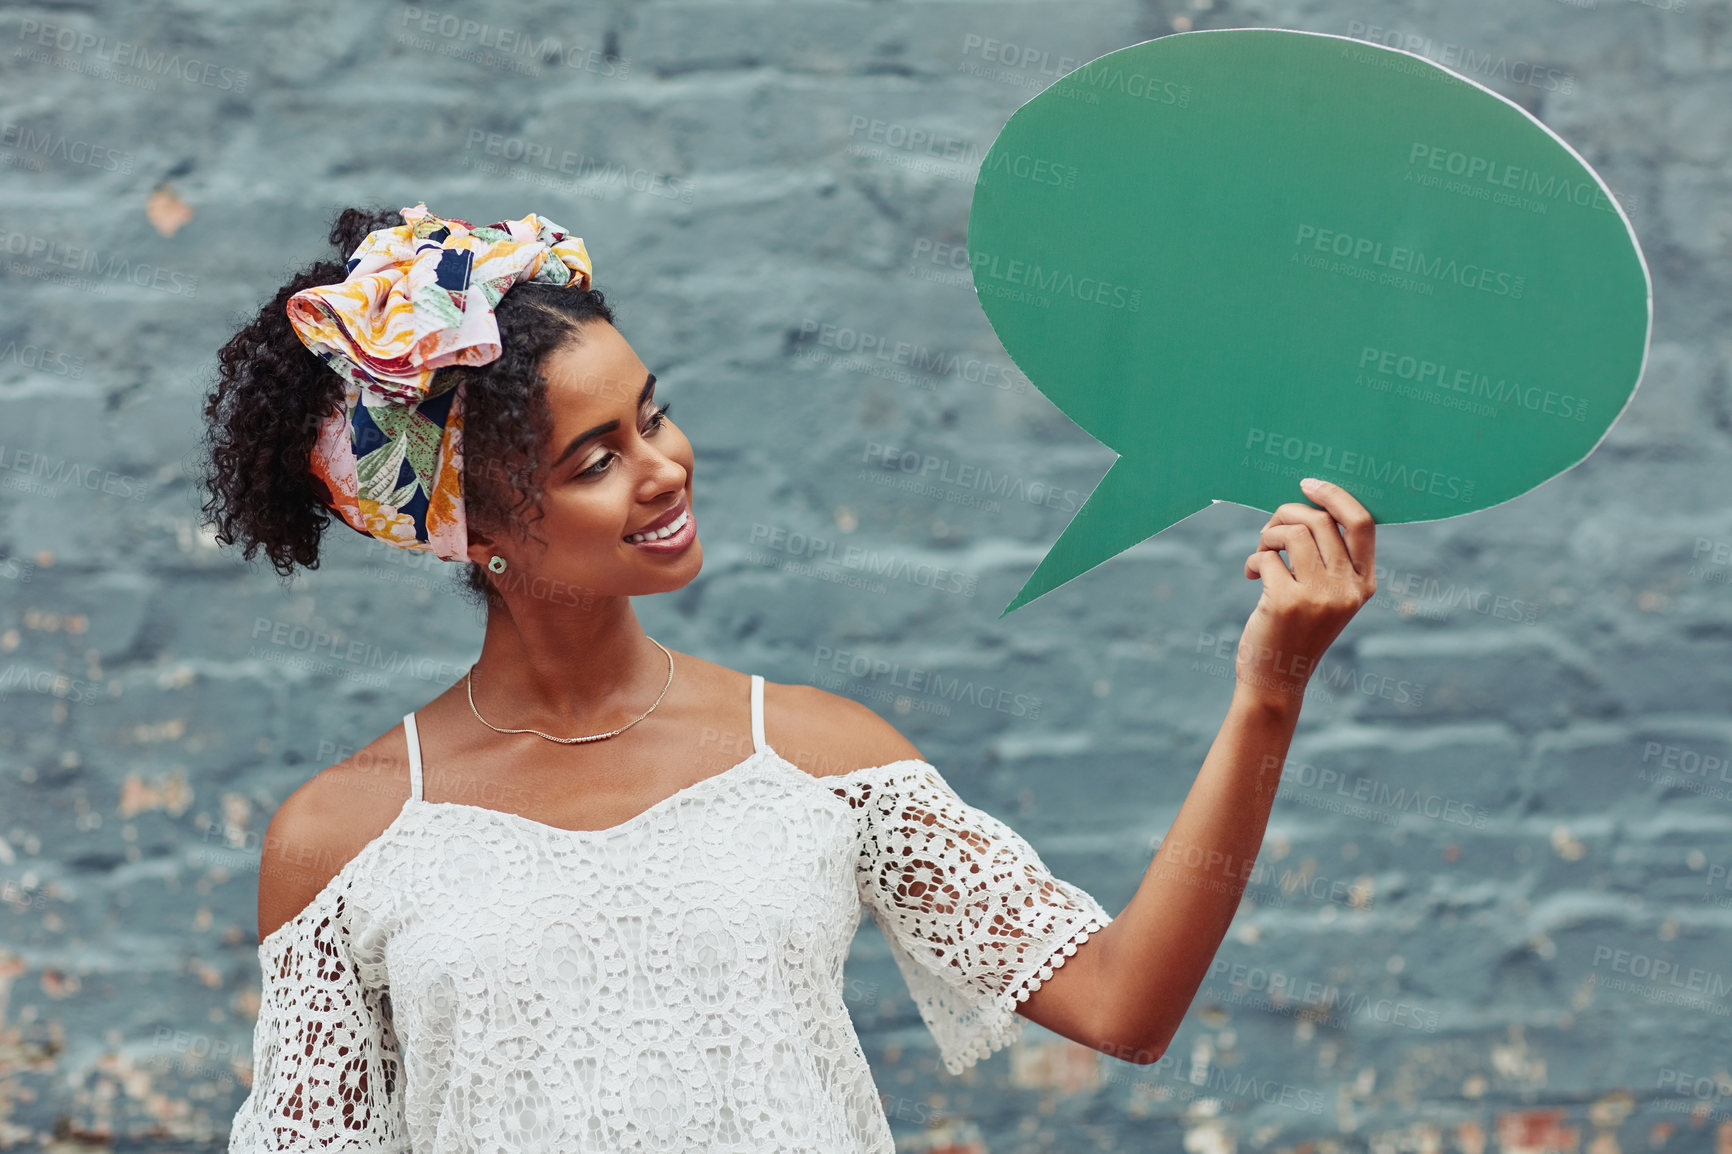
{"type": "Point", "coordinates": [417, 298]}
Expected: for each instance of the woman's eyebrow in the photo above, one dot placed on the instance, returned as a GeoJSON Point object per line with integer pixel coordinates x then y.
{"type": "Point", "coordinates": [649, 385]}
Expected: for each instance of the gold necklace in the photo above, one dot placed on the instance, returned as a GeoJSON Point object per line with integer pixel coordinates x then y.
{"type": "Point", "coordinates": [469, 681]}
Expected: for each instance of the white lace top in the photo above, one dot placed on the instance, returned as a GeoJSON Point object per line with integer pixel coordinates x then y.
{"type": "Point", "coordinates": [474, 980]}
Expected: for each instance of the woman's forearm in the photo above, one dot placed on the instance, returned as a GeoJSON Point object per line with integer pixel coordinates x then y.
{"type": "Point", "coordinates": [1129, 994]}
{"type": "Point", "coordinates": [1155, 954]}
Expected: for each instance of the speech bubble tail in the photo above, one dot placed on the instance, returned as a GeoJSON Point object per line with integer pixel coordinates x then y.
{"type": "Point", "coordinates": [1129, 506]}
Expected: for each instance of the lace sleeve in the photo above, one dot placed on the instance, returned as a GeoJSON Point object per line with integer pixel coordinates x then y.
{"type": "Point", "coordinates": [975, 920]}
{"type": "Point", "coordinates": [327, 1075]}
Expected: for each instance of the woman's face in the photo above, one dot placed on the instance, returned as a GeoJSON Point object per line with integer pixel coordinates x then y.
{"type": "Point", "coordinates": [614, 465]}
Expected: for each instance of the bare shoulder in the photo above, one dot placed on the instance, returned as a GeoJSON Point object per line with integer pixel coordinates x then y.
{"type": "Point", "coordinates": [321, 826]}
{"type": "Point", "coordinates": [827, 734]}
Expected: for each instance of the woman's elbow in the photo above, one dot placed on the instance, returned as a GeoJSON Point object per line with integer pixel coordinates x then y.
{"type": "Point", "coordinates": [1139, 1053]}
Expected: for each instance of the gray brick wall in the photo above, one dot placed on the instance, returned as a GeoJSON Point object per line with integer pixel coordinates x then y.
{"type": "Point", "coordinates": [1493, 904]}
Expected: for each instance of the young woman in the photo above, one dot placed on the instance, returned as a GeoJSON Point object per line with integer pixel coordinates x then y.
{"type": "Point", "coordinates": [597, 895]}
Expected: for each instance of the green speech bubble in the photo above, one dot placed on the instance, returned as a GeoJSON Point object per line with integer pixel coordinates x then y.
{"type": "Point", "coordinates": [1243, 257]}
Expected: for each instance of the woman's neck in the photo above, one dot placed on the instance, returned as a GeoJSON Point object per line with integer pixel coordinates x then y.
{"type": "Point", "coordinates": [566, 671]}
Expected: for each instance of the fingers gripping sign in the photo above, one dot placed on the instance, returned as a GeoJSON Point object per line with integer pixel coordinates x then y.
{"type": "Point", "coordinates": [1329, 572]}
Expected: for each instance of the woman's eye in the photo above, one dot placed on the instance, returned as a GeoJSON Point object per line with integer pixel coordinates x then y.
{"type": "Point", "coordinates": [656, 421]}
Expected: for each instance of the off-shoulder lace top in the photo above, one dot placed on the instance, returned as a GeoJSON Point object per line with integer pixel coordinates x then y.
{"type": "Point", "coordinates": [475, 980]}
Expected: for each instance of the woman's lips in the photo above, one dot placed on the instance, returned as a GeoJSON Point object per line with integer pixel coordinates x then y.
{"type": "Point", "coordinates": [663, 520]}
{"type": "Point", "coordinates": [676, 541]}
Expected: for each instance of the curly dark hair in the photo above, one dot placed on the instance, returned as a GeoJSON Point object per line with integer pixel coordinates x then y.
{"type": "Point", "coordinates": [263, 415]}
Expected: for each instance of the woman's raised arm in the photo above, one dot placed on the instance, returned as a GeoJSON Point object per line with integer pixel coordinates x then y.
{"type": "Point", "coordinates": [1134, 980]}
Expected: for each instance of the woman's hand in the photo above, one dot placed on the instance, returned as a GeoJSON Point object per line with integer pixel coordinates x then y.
{"type": "Point", "coordinates": [1308, 599]}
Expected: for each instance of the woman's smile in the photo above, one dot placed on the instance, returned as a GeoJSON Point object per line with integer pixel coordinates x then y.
{"type": "Point", "coordinates": [671, 532]}
{"type": "Point", "coordinates": [674, 537]}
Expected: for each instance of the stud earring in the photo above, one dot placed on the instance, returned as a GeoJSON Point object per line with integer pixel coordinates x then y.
{"type": "Point", "coordinates": [497, 564]}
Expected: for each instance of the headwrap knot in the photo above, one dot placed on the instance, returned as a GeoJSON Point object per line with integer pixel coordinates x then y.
{"type": "Point", "coordinates": [416, 298]}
